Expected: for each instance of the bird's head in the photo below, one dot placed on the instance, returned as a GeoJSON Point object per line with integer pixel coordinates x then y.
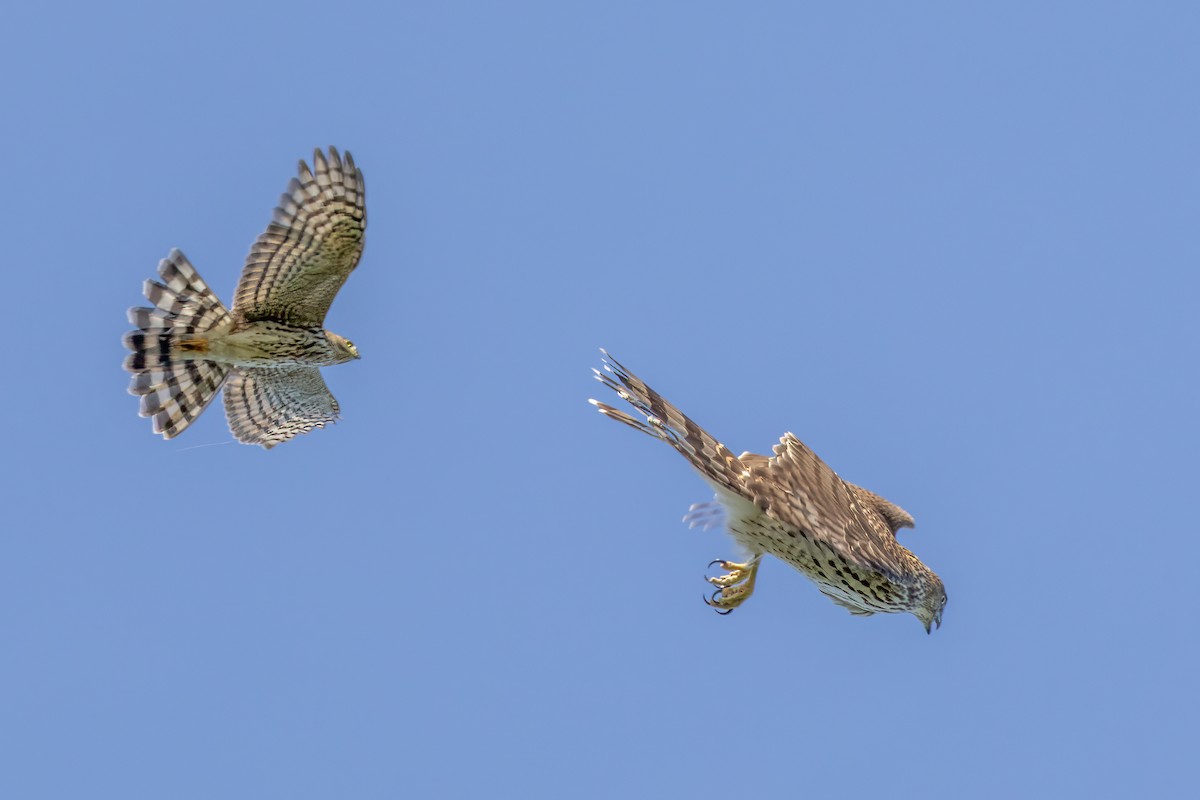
{"type": "Point", "coordinates": [933, 602]}
{"type": "Point", "coordinates": [343, 347]}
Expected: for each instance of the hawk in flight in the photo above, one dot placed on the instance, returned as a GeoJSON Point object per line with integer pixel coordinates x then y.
{"type": "Point", "coordinates": [267, 349]}
{"type": "Point", "coordinates": [794, 507]}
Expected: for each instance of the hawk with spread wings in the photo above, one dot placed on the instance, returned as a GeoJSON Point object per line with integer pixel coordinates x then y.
{"type": "Point", "coordinates": [267, 350]}
{"type": "Point", "coordinates": [794, 507]}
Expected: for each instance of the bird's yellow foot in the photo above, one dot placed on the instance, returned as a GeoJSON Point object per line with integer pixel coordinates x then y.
{"type": "Point", "coordinates": [705, 515]}
{"type": "Point", "coordinates": [734, 587]}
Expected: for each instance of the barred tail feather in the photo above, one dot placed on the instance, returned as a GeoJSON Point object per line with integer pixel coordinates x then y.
{"type": "Point", "coordinates": [179, 394]}
{"type": "Point", "coordinates": [664, 421]}
{"type": "Point", "coordinates": [174, 391]}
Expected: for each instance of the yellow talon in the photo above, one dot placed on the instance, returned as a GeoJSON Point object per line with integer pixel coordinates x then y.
{"type": "Point", "coordinates": [734, 587]}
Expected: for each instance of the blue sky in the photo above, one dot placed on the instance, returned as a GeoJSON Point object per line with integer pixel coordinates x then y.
{"type": "Point", "coordinates": [951, 246]}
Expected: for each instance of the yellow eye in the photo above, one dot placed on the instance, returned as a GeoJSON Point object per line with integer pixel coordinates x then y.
{"type": "Point", "coordinates": [349, 344]}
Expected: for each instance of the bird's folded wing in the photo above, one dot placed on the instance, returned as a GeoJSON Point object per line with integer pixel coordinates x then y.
{"type": "Point", "coordinates": [796, 487]}
{"type": "Point", "coordinates": [892, 514]}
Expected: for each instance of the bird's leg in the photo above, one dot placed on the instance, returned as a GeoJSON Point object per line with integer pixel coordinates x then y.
{"type": "Point", "coordinates": [735, 586]}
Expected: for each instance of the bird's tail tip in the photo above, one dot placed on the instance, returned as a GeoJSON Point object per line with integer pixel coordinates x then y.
{"type": "Point", "coordinates": [173, 396]}
{"type": "Point", "coordinates": [167, 345]}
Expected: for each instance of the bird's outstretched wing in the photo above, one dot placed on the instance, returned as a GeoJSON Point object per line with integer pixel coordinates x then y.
{"type": "Point", "coordinates": [269, 405]}
{"type": "Point", "coordinates": [314, 241]}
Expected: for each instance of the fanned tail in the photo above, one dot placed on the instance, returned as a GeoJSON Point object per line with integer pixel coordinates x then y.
{"type": "Point", "coordinates": [174, 390]}
{"type": "Point", "coordinates": [664, 421]}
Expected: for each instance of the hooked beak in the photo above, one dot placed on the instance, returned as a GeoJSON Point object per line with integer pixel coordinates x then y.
{"type": "Point", "coordinates": [937, 618]}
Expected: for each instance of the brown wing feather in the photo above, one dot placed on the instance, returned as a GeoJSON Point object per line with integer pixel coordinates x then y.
{"type": "Point", "coordinates": [798, 488]}
{"type": "Point", "coordinates": [895, 516]}
{"type": "Point", "coordinates": [301, 260]}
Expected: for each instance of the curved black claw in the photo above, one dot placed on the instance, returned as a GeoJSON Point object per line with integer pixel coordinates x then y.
{"type": "Point", "coordinates": [717, 561]}
{"type": "Point", "coordinates": [711, 603]}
